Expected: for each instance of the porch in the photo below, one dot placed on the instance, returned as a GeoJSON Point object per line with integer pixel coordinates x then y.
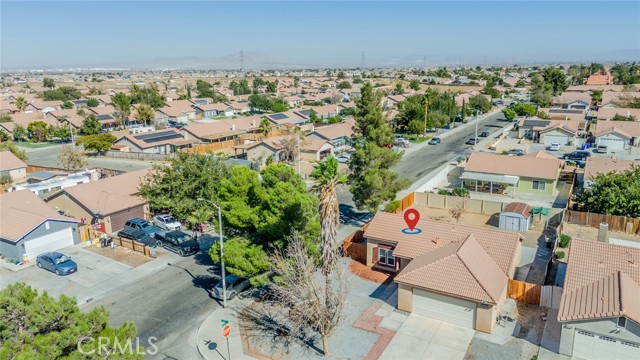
{"type": "Point", "coordinates": [489, 183]}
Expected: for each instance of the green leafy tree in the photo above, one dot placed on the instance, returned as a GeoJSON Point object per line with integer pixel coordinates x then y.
{"type": "Point", "coordinates": [399, 89]}
{"type": "Point", "coordinates": [60, 132]}
{"type": "Point", "coordinates": [541, 91]}
{"type": "Point", "coordinates": [38, 326]}
{"type": "Point", "coordinates": [614, 193]}
{"type": "Point", "coordinates": [63, 93]}
{"type": "Point", "coordinates": [523, 109]}
{"type": "Point", "coordinates": [265, 127]}
{"type": "Point", "coordinates": [5, 117]}
{"type": "Point", "coordinates": [344, 85]}
{"type": "Point", "coordinates": [416, 127]}
{"type": "Point", "coordinates": [520, 84]}
{"type": "Point", "coordinates": [341, 75]}
{"type": "Point", "coordinates": [96, 143]}
{"type": "Point", "coordinates": [557, 79]}
{"type": "Point", "coordinates": [618, 117]}
{"type": "Point", "coordinates": [272, 86]}
{"type": "Point", "coordinates": [480, 103]}
{"type": "Point", "coordinates": [596, 96]}
{"type": "Point", "coordinates": [70, 159]}
{"type": "Point", "coordinates": [242, 257]}
{"type": "Point", "coordinates": [414, 84]}
{"type": "Point", "coordinates": [491, 90]}
{"type": "Point", "coordinates": [146, 95]}
{"type": "Point", "coordinates": [92, 102]}
{"type": "Point", "coordinates": [626, 73]}
{"type": "Point", "coordinates": [19, 133]}
{"type": "Point", "coordinates": [240, 87]}
{"type": "Point", "coordinates": [14, 150]}
{"type": "Point", "coordinates": [145, 114]}
{"type": "Point", "coordinates": [122, 103]}
{"type": "Point", "coordinates": [509, 114]}
{"type": "Point", "coordinates": [21, 103]}
{"type": "Point", "coordinates": [38, 131]}
{"type": "Point", "coordinates": [67, 105]}
{"type": "Point", "coordinates": [4, 136]}
{"type": "Point", "coordinates": [90, 126]}
{"type": "Point", "coordinates": [48, 82]}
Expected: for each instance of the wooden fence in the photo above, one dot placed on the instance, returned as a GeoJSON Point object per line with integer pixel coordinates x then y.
{"type": "Point", "coordinates": [408, 200]}
{"type": "Point", "coordinates": [138, 155]}
{"type": "Point", "coordinates": [211, 147]}
{"type": "Point", "coordinates": [85, 232]}
{"type": "Point", "coordinates": [354, 245]}
{"type": "Point", "coordinates": [524, 292]}
{"type": "Point", "coordinates": [132, 245]}
{"type": "Point", "coordinates": [616, 223]}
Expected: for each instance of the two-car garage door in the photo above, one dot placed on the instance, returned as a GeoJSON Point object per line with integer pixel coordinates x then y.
{"type": "Point", "coordinates": [49, 242]}
{"type": "Point", "coordinates": [588, 345]}
{"type": "Point", "coordinates": [612, 143]}
{"type": "Point", "coordinates": [560, 139]}
{"type": "Point", "coordinates": [445, 308]}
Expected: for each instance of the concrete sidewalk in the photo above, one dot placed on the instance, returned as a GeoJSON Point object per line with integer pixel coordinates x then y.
{"type": "Point", "coordinates": [210, 342]}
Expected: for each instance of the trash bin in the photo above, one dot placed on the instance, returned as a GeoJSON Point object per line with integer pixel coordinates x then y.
{"type": "Point", "coordinates": [583, 147]}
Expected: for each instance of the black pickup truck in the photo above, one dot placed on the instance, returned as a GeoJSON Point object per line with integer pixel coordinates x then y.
{"type": "Point", "coordinates": [177, 241]}
{"type": "Point", "coordinates": [137, 235]}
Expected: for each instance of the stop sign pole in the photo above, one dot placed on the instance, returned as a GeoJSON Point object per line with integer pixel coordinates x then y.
{"type": "Point", "coordinates": [226, 330]}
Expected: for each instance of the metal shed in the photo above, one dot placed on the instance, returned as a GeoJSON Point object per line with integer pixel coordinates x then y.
{"type": "Point", "coordinates": [516, 216]}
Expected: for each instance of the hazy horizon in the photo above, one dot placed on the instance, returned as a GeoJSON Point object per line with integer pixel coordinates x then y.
{"type": "Point", "coordinates": [47, 35]}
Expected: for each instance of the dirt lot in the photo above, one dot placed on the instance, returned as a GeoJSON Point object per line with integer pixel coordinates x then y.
{"type": "Point", "coordinates": [122, 255]}
{"type": "Point", "coordinates": [360, 270]}
{"type": "Point", "coordinates": [589, 233]}
{"type": "Point", "coordinates": [466, 218]}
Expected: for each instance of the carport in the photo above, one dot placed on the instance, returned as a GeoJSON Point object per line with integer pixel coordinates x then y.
{"type": "Point", "coordinates": [491, 183]}
{"type": "Point", "coordinates": [516, 216]}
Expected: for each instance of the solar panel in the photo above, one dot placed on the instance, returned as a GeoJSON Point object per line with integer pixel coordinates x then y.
{"type": "Point", "coordinates": [565, 111]}
{"type": "Point", "coordinates": [535, 123]}
{"type": "Point", "coordinates": [305, 112]}
{"type": "Point", "coordinates": [104, 117]}
{"type": "Point", "coordinates": [278, 116]}
{"type": "Point", "coordinates": [163, 138]}
{"type": "Point", "coordinates": [154, 134]}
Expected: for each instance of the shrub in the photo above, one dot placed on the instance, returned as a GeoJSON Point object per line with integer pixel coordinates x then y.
{"type": "Point", "coordinates": [444, 192]}
{"type": "Point", "coordinates": [463, 192]}
{"type": "Point", "coordinates": [392, 206]}
{"type": "Point", "coordinates": [560, 254]}
{"type": "Point", "coordinates": [565, 240]}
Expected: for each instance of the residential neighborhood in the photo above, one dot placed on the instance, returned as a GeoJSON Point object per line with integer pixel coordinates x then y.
{"type": "Point", "coordinates": [176, 200]}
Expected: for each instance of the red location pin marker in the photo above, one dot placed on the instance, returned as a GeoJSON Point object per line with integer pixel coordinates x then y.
{"type": "Point", "coordinates": [411, 217]}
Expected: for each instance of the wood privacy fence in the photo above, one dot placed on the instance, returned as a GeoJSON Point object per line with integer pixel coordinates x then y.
{"type": "Point", "coordinates": [85, 232]}
{"type": "Point", "coordinates": [138, 155]}
{"type": "Point", "coordinates": [211, 147]}
{"type": "Point", "coordinates": [132, 245]}
{"type": "Point", "coordinates": [616, 223]}
{"type": "Point", "coordinates": [354, 245]}
{"type": "Point", "coordinates": [550, 296]}
{"type": "Point", "coordinates": [408, 200]}
{"type": "Point", "coordinates": [524, 292]}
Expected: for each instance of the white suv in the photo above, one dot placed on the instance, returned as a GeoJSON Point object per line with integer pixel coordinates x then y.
{"type": "Point", "coordinates": [166, 222]}
{"type": "Point", "coordinates": [554, 147]}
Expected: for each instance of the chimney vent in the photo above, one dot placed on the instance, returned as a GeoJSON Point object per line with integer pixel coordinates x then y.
{"type": "Point", "coordinates": [603, 233]}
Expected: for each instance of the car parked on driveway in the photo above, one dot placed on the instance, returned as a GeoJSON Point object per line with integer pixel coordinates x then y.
{"type": "Point", "coordinates": [137, 235]}
{"type": "Point", "coordinates": [554, 147]}
{"type": "Point", "coordinates": [234, 284]}
{"type": "Point", "coordinates": [57, 263]}
{"type": "Point", "coordinates": [472, 141]}
{"type": "Point", "coordinates": [577, 155]}
{"type": "Point", "coordinates": [434, 141]}
{"type": "Point", "coordinates": [144, 225]}
{"type": "Point", "coordinates": [167, 222]}
{"type": "Point", "coordinates": [177, 241]}
{"type": "Point", "coordinates": [344, 158]}
{"type": "Point", "coordinates": [601, 149]}
{"type": "Point", "coordinates": [516, 152]}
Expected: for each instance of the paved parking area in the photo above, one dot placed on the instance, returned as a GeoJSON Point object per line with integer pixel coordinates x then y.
{"type": "Point", "coordinates": [421, 337]}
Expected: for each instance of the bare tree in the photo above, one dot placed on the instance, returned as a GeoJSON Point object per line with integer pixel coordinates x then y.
{"type": "Point", "coordinates": [457, 212]}
{"type": "Point", "coordinates": [70, 159]}
{"type": "Point", "coordinates": [315, 300]}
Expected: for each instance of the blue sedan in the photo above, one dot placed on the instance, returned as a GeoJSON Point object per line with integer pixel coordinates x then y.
{"type": "Point", "coordinates": [57, 263]}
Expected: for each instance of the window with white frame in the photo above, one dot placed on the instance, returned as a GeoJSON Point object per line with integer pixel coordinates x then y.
{"type": "Point", "coordinates": [386, 257]}
{"type": "Point", "coordinates": [538, 185]}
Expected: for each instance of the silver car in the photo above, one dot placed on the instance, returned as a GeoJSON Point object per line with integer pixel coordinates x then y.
{"type": "Point", "coordinates": [166, 222]}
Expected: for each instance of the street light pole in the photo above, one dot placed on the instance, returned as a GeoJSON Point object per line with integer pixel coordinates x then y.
{"type": "Point", "coordinates": [224, 276]}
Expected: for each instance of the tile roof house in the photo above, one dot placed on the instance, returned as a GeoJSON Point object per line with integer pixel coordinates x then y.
{"type": "Point", "coordinates": [512, 175]}
{"type": "Point", "coordinates": [29, 227]}
{"type": "Point", "coordinates": [546, 132]}
{"type": "Point", "coordinates": [573, 100]}
{"type": "Point", "coordinates": [617, 135]}
{"type": "Point", "coordinates": [221, 130]}
{"type": "Point", "coordinates": [610, 113]}
{"type": "Point", "coordinates": [12, 166]}
{"type": "Point", "coordinates": [338, 134]}
{"type": "Point", "coordinates": [288, 117]}
{"type": "Point", "coordinates": [166, 141]}
{"type": "Point", "coordinates": [213, 110]}
{"type": "Point", "coordinates": [595, 166]}
{"type": "Point", "coordinates": [311, 149]}
{"type": "Point", "coordinates": [110, 201]}
{"type": "Point", "coordinates": [68, 116]}
{"type": "Point", "coordinates": [600, 305]}
{"type": "Point", "coordinates": [456, 273]}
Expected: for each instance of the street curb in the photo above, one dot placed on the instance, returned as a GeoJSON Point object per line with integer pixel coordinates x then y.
{"type": "Point", "coordinates": [198, 332]}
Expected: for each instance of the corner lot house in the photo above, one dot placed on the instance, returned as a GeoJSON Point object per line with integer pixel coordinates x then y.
{"type": "Point", "coordinates": [511, 175]}
{"type": "Point", "coordinates": [338, 134]}
{"type": "Point", "coordinates": [550, 131]}
{"type": "Point", "coordinates": [454, 273]}
{"type": "Point", "coordinates": [111, 201]}
{"type": "Point", "coordinates": [595, 166]}
{"type": "Point", "coordinates": [28, 227]}
{"type": "Point", "coordinates": [600, 305]}
{"type": "Point", "coordinates": [12, 166]}
{"type": "Point", "coordinates": [617, 135]}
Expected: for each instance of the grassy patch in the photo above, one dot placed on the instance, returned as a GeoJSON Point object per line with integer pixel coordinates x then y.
{"type": "Point", "coordinates": [30, 145]}
{"type": "Point", "coordinates": [417, 140]}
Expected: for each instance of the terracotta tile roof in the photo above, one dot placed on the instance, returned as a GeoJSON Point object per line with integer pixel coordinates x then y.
{"type": "Point", "coordinates": [541, 155]}
{"type": "Point", "coordinates": [154, 138]}
{"type": "Point", "coordinates": [220, 128]}
{"type": "Point", "coordinates": [572, 96]}
{"type": "Point", "coordinates": [22, 211]}
{"type": "Point", "coordinates": [462, 269]}
{"type": "Point", "coordinates": [103, 110]}
{"type": "Point", "coordinates": [598, 79]}
{"type": "Point", "coordinates": [602, 281]}
{"type": "Point", "coordinates": [108, 195]}
{"type": "Point", "coordinates": [502, 246]}
{"type": "Point", "coordinates": [597, 166]}
{"type": "Point", "coordinates": [519, 208]}
{"type": "Point", "coordinates": [609, 113]}
{"type": "Point", "coordinates": [335, 131]}
{"type": "Point", "coordinates": [626, 128]}
{"type": "Point", "coordinates": [532, 167]}
{"type": "Point", "coordinates": [611, 96]}
{"type": "Point", "coordinates": [8, 161]}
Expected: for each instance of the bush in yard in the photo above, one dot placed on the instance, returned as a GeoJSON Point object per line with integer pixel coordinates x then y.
{"type": "Point", "coordinates": [444, 192]}
{"type": "Point", "coordinates": [462, 192]}
{"type": "Point", "coordinates": [241, 257]}
{"type": "Point", "coordinates": [392, 206]}
{"type": "Point", "coordinates": [560, 254]}
{"type": "Point", "coordinates": [565, 240]}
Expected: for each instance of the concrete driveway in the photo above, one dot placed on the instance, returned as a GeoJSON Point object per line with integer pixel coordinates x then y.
{"type": "Point", "coordinates": [421, 337]}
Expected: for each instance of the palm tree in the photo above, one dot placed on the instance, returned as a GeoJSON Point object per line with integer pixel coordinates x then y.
{"type": "Point", "coordinates": [265, 127]}
{"type": "Point", "coordinates": [327, 176]}
{"type": "Point", "coordinates": [21, 103]}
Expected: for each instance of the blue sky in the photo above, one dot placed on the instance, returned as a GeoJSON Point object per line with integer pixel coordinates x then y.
{"type": "Point", "coordinates": [55, 33]}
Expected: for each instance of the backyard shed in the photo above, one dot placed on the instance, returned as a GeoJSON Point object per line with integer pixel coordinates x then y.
{"type": "Point", "coordinates": [516, 216]}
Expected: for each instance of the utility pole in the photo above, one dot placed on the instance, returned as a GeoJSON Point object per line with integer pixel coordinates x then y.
{"type": "Point", "coordinates": [362, 67]}
{"type": "Point", "coordinates": [242, 62]}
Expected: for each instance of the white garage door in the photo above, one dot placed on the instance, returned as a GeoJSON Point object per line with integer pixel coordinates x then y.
{"type": "Point", "coordinates": [445, 308]}
{"type": "Point", "coordinates": [562, 140]}
{"type": "Point", "coordinates": [50, 242]}
{"type": "Point", "coordinates": [588, 345]}
{"type": "Point", "coordinates": [617, 144]}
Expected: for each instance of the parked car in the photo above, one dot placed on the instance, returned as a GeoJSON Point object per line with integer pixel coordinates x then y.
{"type": "Point", "coordinates": [554, 147]}
{"type": "Point", "coordinates": [234, 284]}
{"type": "Point", "coordinates": [344, 158]}
{"type": "Point", "coordinates": [577, 155]}
{"type": "Point", "coordinates": [434, 141]}
{"type": "Point", "coordinates": [137, 235]}
{"type": "Point", "coordinates": [167, 222]}
{"type": "Point", "coordinates": [142, 224]}
{"type": "Point", "coordinates": [57, 263]}
{"type": "Point", "coordinates": [516, 152]}
{"type": "Point", "coordinates": [177, 241]}
{"type": "Point", "coordinates": [472, 141]}
{"type": "Point", "coordinates": [601, 149]}
{"type": "Point", "coordinates": [484, 134]}
{"type": "Point", "coordinates": [401, 142]}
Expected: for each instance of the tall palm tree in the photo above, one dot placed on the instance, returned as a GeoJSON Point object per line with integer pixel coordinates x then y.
{"type": "Point", "coordinates": [328, 177]}
{"type": "Point", "coordinates": [21, 103]}
{"type": "Point", "coordinates": [265, 127]}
